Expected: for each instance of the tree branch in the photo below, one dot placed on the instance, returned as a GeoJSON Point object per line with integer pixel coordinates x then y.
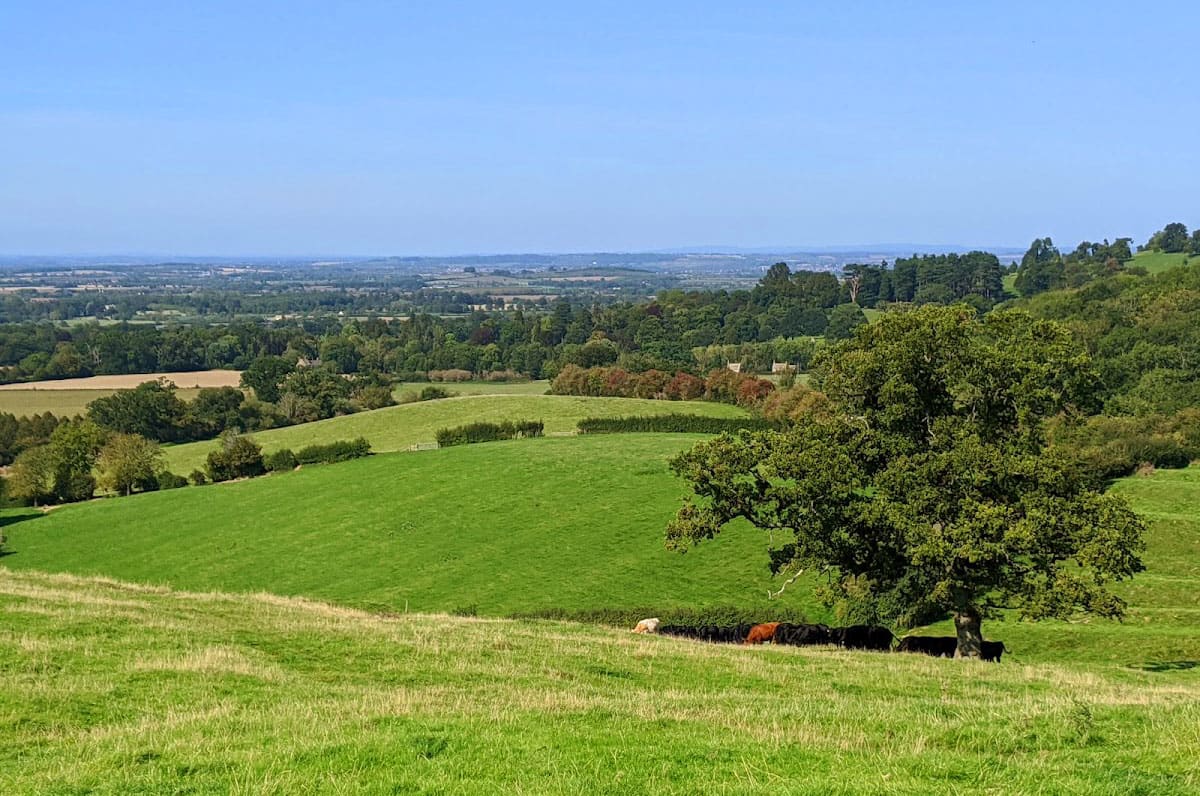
{"type": "Point", "coordinates": [786, 583]}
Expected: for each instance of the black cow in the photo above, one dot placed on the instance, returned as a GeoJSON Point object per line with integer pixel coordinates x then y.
{"type": "Point", "coordinates": [992, 650]}
{"type": "Point", "coordinates": [680, 631]}
{"type": "Point", "coordinates": [802, 635]}
{"type": "Point", "coordinates": [937, 646]}
{"type": "Point", "coordinates": [863, 637]}
{"type": "Point", "coordinates": [947, 646]}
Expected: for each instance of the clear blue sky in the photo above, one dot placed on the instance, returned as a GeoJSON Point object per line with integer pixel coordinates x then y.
{"type": "Point", "coordinates": [417, 128]}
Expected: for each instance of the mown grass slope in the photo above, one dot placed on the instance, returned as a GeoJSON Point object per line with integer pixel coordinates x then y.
{"type": "Point", "coordinates": [570, 523]}
{"type": "Point", "coordinates": [400, 427]}
{"type": "Point", "coordinates": [563, 522]}
{"type": "Point", "coordinates": [111, 688]}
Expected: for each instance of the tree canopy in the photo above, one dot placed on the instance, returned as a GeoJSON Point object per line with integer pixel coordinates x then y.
{"type": "Point", "coordinates": [926, 489]}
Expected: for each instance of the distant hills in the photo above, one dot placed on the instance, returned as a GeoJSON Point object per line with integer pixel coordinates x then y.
{"type": "Point", "coordinates": [702, 259]}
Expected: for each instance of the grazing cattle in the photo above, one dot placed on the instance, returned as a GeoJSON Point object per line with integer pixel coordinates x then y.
{"type": "Point", "coordinates": [937, 646]}
{"type": "Point", "coordinates": [682, 631]}
{"type": "Point", "coordinates": [992, 650]}
{"type": "Point", "coordinates": [802, 635]}
{"type": "Point", "coordinates": [761, 634]}
{"type": "Point", "coordinates": [716, 634]}
{"type": "Point", "coordinates": [647, 626]}
{"type": "Point", "coordinates": [863, 637]}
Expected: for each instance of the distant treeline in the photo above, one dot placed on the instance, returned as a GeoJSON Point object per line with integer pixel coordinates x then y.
{"type": "Point", "coordinates": [680, 424]}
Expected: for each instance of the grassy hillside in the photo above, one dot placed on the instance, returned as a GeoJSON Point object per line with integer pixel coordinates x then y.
{"type": "Point", "coordinates": [568, 522]}
{"type": "Point", "coordinates": [400, 427]}
{"type": "Point", "coordinates": [1157, 262]}
{"type": "Point", "coordinates": [531, 525]}
{"type": "Point", "coordinates": [111, 688]}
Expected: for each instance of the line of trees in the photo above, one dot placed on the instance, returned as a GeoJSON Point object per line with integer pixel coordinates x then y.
{"type": "Point", "coordinates": [79, 457]}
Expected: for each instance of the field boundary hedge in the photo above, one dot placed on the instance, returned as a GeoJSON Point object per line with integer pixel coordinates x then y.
{"type": "Point", "coordinates": [340, 451]}
{"type": "Point", "coordinates": [488, 432]}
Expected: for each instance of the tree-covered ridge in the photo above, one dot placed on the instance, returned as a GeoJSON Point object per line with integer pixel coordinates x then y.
{"type": "Point", "coordinates": [1142, 331]}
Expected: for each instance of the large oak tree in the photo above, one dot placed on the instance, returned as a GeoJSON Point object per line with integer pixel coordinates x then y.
{"type": "Point", "coordinates": [927, 488]}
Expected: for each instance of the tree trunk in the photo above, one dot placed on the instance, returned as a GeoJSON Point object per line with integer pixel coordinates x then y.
{"type": "Point", "coordinates": [970, 636]}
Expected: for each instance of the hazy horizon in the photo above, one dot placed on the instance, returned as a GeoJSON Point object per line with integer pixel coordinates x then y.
{"type": "Point", "coordinates": [302, 129]}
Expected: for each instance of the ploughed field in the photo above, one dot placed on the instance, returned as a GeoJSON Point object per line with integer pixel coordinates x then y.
{"type": "Point", "coordinates": [114, 688]}
{"type": "Point", "coordinates": [570, 524]}
{"type": "Point", "coordinates": [399, 427]}
{"type": "Point", "coordinates": [190, 379]}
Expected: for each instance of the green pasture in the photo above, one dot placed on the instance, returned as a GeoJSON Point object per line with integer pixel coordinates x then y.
{"type": "Point", "coordinates": [571, 523]}
{"type": "Point", "coordinates": [1157, 262]}
{"type": "Point", "coordinates": [567, 523]}
{"type": "Point", "coordinates": [114, 688]}
{"type": "Point", "coordinates": [400, 427]}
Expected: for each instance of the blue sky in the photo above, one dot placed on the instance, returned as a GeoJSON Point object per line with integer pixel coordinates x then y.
{"type": "Point", "coordinates": [438, 128]}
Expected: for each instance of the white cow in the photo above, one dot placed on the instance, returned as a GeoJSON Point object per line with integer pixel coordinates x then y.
{"type": "Point", "coordinates": [647, 626]}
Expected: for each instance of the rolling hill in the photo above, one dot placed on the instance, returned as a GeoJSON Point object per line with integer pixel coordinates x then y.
{"type": "Point", "coordinates": [572, 524]}
{"type": "Point", "coordinates": [400, 427]}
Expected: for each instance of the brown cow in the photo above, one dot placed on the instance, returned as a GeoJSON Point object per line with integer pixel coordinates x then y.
{"type": "Point", "coordinates": [760, 634]}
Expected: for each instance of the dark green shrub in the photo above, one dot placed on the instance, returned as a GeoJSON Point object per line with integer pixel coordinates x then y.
{"type": "Point", "coordinates": [238, 457]}
{"type": "Point", "coordinates": [1113, 447]}
{"type": "Point", "coordinates": [169, 480]}
{"type": "Point", "coordinates": [340, 451]}
{"type": "Point", "coordinates": [282, 459]}
{"type": "Point", "coordinates": [198, 478]}
{"type": "Point", "coordinates": [432, 393]}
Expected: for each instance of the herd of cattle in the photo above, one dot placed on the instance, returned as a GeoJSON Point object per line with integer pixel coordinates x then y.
{"type": "Point", "coordinates": [854, 637]}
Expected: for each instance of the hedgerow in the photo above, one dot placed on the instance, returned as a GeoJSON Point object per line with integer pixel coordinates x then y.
{"type": "Point", "coordinates": [678, 424]}
{"type": "Point", "coordinates": [488, 432]}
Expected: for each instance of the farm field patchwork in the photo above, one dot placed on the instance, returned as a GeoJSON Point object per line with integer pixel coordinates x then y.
{"type": "Point", "coordinates": [400, 427]}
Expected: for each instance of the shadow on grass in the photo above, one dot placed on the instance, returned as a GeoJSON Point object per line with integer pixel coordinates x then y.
{"type": "Point", "coordinates": [1165, 666]}
{"type": "Point", "coordinates": [12, 518]}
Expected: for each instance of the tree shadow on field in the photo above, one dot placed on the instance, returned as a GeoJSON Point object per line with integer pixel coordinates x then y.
{"type": "Point", "coordinates": [1165, 666]}
{"type": "Point", "coordinates": [13, 519]}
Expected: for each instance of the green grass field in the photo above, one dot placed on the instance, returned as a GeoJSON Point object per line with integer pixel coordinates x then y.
{"type": "Point", "coordinates": [572, 523]}
{"type": "Point", "coordinates": [400, 427]}
{"type": "Point", "coordinates": [1157, 262]}
{"type": "Point", "coordinates": [112, 688]}
{"type": "Point", "coordinates": [64, 403]}
{"type": "Point", "coordinates": [567, 522]}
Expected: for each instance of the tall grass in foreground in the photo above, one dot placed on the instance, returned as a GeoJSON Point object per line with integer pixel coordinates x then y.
{"type": "Point", "coordinates": [115, 688]}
